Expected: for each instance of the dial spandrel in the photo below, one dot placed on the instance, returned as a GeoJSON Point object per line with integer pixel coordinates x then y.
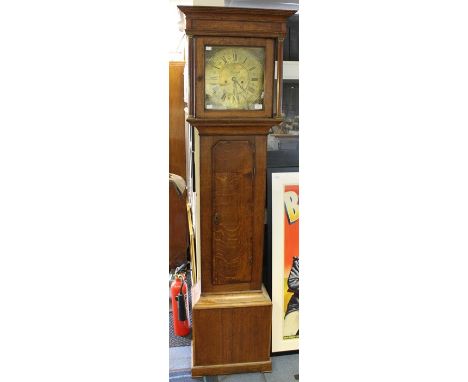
{"type": "Point", "coordinates": [234, 77]}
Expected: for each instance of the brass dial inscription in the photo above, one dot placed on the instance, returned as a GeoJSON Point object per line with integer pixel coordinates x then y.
{"type": "Point", "coordinates": [234, 77]}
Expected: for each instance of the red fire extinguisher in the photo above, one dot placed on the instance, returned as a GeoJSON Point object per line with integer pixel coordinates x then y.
{"type": "Point", "coordinates": [180, 305]}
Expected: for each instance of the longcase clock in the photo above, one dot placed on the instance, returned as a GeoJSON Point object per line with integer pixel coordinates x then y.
{"type": "Point", "coordinates": [233, 103]}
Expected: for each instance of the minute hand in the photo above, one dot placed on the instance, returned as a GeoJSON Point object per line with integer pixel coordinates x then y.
{"type": "Point", "coordinates": [237, 82]}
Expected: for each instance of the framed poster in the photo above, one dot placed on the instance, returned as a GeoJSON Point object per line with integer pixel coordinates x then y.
{"type": "Point", "coordinates": [285, 261]}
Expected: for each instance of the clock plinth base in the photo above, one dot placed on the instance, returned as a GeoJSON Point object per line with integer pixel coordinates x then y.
{"type": "Point", "coordinates": [231, 333]}
{"type": "Point", "coordinates": [234, 368]}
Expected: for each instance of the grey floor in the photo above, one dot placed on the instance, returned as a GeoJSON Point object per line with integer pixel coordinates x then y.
{"type": "Point", "coordinates": [285, 369]}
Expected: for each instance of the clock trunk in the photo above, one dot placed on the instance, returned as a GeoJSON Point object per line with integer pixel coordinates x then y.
{"type": "Point", "coordinates": [232, 200]}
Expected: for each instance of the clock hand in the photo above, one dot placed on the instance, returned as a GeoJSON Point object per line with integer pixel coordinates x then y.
{"type": "Point", "coordinates": [236, 96]}
{"type": "Point", "coordinates": [237, 82]}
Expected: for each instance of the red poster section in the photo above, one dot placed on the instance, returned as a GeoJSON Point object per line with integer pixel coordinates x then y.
{"type": "Point", "coordinates": [291, 244]}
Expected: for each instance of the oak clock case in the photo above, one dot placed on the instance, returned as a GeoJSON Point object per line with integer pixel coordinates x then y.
{"type": "Point", "coordinates": [231, 105]}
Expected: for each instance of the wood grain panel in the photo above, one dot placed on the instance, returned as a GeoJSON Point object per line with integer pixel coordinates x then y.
{"type": "Point", "coordinates": [205, 211]}
{"type": "Point", "coordinates": [244, 367]}
{"type": "Point", "coordinates": [233, 167]}
{"type": "Point", "coordinates": [268, 28]}
{"type": "Point", "coordinates": [178, 226]}
{"type": "Point", "coordinates": [233, 299]}
{"type": "Point", "coordinates": [231, 335]}
{"type": "Point", "coordinates": [235, 21]}
{"type": "Point", "coordinates": [259, 209]}
{"type": "Point", "coordinates": [234, 127]}
{"type": "Point", "coordinates": [233, 172]}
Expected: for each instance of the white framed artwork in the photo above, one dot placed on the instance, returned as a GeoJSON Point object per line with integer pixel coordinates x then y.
{"type": "Point", "coordinates": [285, 261]}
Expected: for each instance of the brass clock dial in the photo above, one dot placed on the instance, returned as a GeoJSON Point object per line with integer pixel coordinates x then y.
{"type": "Point", "coordinates": [234, 77]}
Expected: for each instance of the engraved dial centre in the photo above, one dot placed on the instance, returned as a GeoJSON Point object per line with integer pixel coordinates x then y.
{"type": "Point", "coordinates": [234, 78]}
